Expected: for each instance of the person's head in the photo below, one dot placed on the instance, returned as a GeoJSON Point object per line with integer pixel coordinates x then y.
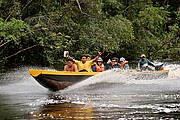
{"type": "Point", "coordinates": [83, 58]}
{"type": "Point", "coordinates": [70, 62]}
{"type": "Point", "coordinates": [88, 56]}
{"type": "Point", "coordinates": [122, 59]}
{"type": "Point", "coordinates": [114, 60]}
{"type": "Point", "coordinates": [99, 61]}
{"type": "Point", "coordinates": [143, 56]}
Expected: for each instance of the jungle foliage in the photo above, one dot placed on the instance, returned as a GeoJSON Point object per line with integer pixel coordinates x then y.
{"type": "Point", "coordinates": [36, 32]}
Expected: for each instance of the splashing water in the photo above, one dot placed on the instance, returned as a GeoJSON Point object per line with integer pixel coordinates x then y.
{"type": "Point", "coordinates": [18, 81]}
{"type": "Point", "coordinates": [126, 77]}
{"type": "Point", "coordinates": [110, 76]}
{"type": "Point", "coordinates": [174, 70]}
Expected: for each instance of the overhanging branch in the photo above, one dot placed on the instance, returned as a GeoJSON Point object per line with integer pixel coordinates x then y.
{"type": "Point", "coordinates": [4, 44]}
{"type": "Point", "coordinates": [5, 58]}
{"type": "Point", "coordinates": [79, 6]}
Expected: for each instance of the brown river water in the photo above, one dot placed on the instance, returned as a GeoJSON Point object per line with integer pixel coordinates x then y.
{"type": "Point", "coordinates": [109, 95]}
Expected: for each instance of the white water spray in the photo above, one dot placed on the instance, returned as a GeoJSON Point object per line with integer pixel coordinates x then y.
{"type": "Point", "coordinates": [126, 77]}
{"type": "Point", "coordinates": [116, 76]}
{"type": "Point", "coordinates": [174, 70]}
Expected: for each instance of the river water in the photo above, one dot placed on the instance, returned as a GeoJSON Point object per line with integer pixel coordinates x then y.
{"type": "Point", "coordinates": [109, 95]}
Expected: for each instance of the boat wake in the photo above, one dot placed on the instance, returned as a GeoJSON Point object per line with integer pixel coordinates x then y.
{"type": "Point", "coordinates": [110, 76]}
{"type": "Point", "coordinates": [120, 77]}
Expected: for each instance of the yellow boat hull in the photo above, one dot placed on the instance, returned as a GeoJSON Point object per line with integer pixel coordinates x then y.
{"type": "Point", "coordinates": [58, 80]}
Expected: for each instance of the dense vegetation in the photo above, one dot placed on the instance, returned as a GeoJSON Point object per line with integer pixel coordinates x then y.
{"type": "Point", "coordinates": [37, 32]}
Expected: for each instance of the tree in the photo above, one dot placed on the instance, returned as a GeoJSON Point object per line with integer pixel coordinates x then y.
{"type": "Point", "coordinates": [151, 32]}
{"type": "Point", "coordinates": [127, 27]}
{"type": "Point", "coordinates": [13, 41]}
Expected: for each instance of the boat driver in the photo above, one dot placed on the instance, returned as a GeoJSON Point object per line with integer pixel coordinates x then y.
{"type": "Point", "coordinates": [71, 67]}
{"type": "Point", "coordinates": [144, 62]}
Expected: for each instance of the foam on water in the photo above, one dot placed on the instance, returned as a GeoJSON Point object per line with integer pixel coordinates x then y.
{"type": "Point", "coordinates": [157, 108]}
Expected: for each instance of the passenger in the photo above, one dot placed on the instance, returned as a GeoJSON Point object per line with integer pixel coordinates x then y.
{"type": "Point", "coordinates": [115, 63]}
{"type": "Point", "coordinates": [99, 65]}
{"type": "Point", "coordinates": [84, 65]}
{"type": "Point", "coordinates": [112, 64]}
{"type": "Point", "coordinates": [71, 67]}
{"type": "Point", "coordinates": [108, 65]}
{"type": "Point", "coordinates": [93, 67]}
{"type": "Point", "coordinates": [123, 64]}
{"type": "Point", "coordinates": [144, 62]}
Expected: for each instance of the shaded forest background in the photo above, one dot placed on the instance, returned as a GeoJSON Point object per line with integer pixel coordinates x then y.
{"type": "Point", "coordinates": [36, 32]}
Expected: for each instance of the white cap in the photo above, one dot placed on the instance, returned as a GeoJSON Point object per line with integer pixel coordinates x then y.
{"type": "Point", "coordinates": [122, 59]}
{"type": "Point", "coordinates": [143, 55]}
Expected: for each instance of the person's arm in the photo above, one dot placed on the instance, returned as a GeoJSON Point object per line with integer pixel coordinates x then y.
{"type": "Point", "coordinates": [121, 66]}
{"type": "Point", "coordinates": [151, 63]}
{"type": "Point", "coordinates": [76, 61]}
{"type": "Point", "coordinates": [99, 54]}
{"type": "Point", "coordinates": [139, 66]}
{"type": "Point", "coordinates": [65, 68]}
{"type": "Point", "coordinates": [109, 61]}
{"type": "Point", "coordinates": [102, 67]}
{"type": "Point", "coordinates": [75, 68]}
{"type": "Point", "coordinates": [97, 67]}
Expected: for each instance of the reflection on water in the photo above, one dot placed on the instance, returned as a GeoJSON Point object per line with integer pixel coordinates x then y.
{"type": "Point", "coordinates": [64, 110]}
{"type": "Point", "coordinates": [108, 96]}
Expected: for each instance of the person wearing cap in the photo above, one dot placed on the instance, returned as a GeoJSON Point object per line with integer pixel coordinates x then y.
{"type": "Point", "coordinates": [112, 64]}
{"type": "Point", "coordinates": [70, 67]}
{"type": "Point", "coordinates": [144, 62]}
{"type": "Point", "coordinates": [123, 63]}
{"type": "Point", "coordinates": [99, 67]}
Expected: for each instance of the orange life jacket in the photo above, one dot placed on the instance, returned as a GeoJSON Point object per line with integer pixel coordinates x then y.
{"type": "Point", "coordinates": [99, 68]}
{"type": "Point", "coordinates": [123, 63]}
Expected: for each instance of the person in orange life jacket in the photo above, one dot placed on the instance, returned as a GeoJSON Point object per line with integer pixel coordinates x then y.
{"type": "Point", "coordinates": [84, 65]}
{"type": "Point", "coordinates": [123, 63]}
{"type": "Point", "coordinates": [99, 67]}
{"type": "Point", "coordinates": [70, 67]}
